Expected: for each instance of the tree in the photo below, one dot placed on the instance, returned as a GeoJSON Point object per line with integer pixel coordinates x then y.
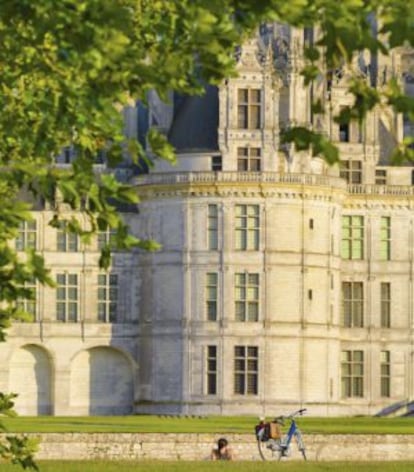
{"type": "Point", "coordinates": [68, 67]}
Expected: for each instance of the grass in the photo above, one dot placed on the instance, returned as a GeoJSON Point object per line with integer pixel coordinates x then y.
{"type": "Point", "coordinates": [154, 466]}
{"type": "Point", "coordinates": [211, 424]}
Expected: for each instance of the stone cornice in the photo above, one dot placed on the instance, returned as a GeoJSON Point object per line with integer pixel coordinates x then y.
{"type": "Point", "coordinates": [241, 184]}
{"type": "Point", "coordinates": [274, 185]}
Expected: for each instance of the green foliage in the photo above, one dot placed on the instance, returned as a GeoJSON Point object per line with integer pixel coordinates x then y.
{"type": "Point", "coordinates": [16, 449]}
{"type": "Point", "coordinates": [304, 138]}
{"type": "Point", "coordinates": [20, 450]}
{"type": "Point", "coordinates": [6, 405]}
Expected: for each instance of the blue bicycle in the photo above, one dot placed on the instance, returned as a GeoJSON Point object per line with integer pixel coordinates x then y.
{"type": "Point", "coordinates": [273, 445]}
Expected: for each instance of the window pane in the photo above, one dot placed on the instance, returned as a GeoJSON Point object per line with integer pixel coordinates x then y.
{"type": "Point", "coordinates": [254, 279]}
{"type": "Point", "coordinates": [60, 279]}
{"type": "Point", "coordinates": [211, 311]}
{"type": "Point", "coordinates": [252, 384]}
{"type": "Point", "coordinates": [255, 117]}
{"type": "Point", "coordinates": [252, 351]}
{"type": "Point", "coordinates": [101, 279]}
{"type": "Point", "coordinates": [240, 279]}
{"type": "Point", "coordinates": [60, 311]}
{"type": "Point", "coordinates": [255, 95]}
{"type": "Point", "coordinates": [72, 279]}
{"type": "Point", "coordinates": [240, 311]}
{"type": "Point", "coordinates": [212, 351]}
{"type": "Point", "coordinates": [239, 364]}
{"type": "Point", "coordinates": [239, 383]}
{"type": "Point", "coordinates": [212, 384]}
{"type": "Point", "coordinates": [73, 311]}
{"type": "Point", "coordinates": [242, 95]}
{"type": "Point", "coordinates": [101, 312]}
{"type": "Point", "coordinates": [60, 293]}
{"type": "Point", "coordinates": [239, 351]}
{"type": "Point", "coordinates": [253, 314]}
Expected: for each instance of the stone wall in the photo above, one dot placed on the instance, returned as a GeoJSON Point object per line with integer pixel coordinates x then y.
{"type": "Point", "coordinates": [140, 446]}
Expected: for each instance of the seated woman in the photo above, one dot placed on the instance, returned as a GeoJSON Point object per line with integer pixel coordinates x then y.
{"type": "Point", "coordinates": [222, 452]}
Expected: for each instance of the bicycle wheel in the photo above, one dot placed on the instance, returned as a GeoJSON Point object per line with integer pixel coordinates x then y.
{"type": "Point", "coordinates": [301, 444]}
{"type": "Point", "coordinates": [269, 450]}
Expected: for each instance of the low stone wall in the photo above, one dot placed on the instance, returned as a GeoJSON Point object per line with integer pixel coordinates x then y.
{"type": "Point", "coordinates": [138, 446]}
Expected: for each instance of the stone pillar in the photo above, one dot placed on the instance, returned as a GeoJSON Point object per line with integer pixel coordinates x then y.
{"type": "Point", "coordinates": [61, 391]}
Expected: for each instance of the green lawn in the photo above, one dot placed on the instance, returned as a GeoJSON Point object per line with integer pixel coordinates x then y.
{"type": "Point", "coordinates": [211, 424]}
{"type": "Point", "coordinates": [106, 466]}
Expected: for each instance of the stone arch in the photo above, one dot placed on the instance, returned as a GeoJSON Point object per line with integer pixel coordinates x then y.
{"type": "Point", "coordinates": [31, 378]}
{"type": "Point", "coordinates": [101, 382]}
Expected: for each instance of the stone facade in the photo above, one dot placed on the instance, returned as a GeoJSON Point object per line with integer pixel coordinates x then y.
{"type": "Point", "coordinates": [281, 282]}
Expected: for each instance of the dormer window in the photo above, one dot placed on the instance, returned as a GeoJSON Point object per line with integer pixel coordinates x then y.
{"type": "Point", "coordinates": [249, 108]}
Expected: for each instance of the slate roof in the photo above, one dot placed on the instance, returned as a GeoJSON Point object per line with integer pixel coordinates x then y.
{"type": "Point", "coordinates": [195, 122]}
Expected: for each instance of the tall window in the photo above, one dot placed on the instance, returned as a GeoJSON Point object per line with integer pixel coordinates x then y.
{"type": "Point", "coordinates": [106, 238]}
{"type": "Point", "coordinates": [247, 297]}
{"type": "Point", "coordinates": [67, 297]}
{"type": "Point", "coordinates": [385, 374]}
{"type": "Point", "coordinates": [385, 238]}
{"type": "Point", "coordinates": [28, 304]}
{"type": "Point", "coordinates": [246, 370]}
{"type": "Point", "coordinates": [352, 237]}
{"type": "Point", "coordinates": [107, 297]}
{"type": "Point", "coordinates": [211, 295]}
{"type": "Point", "coordinates": [212, 227]}
{"type": "Point", "coordinates": [66, 242]}
{"type": "Point", "coordinates": [248, 159]}
{"type": "Point", "coordinates": [352, 374]}
{"type": "Point", "coordinates": [352, 305]}
{"type": "Point", "coordinates": [385, 305]}
{"type": "Point", "coordinates": [351, 171]}
{"type": "Point", "coordinates": [249, 108]}
{"type": "Point", "coordinates": [211, 370]}
{"type": "Point", "coordinates": [247, 227]}
{"type": "Point", "coordinates": [26, 237]}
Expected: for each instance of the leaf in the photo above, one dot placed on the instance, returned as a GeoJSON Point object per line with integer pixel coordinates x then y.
{"type": "Point", "coordinates": [160, 146]}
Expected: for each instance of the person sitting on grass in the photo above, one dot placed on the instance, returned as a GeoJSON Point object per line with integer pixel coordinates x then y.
{"type": "Point", "coordinates": [222, 452]}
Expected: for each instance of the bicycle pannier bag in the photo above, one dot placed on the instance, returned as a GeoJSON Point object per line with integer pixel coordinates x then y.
{"type": "Point", "coordinates": [262, 432]}
{"type": "Point", "coordinates": [275, 431]}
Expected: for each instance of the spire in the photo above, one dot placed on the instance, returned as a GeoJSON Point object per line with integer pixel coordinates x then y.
{"type": "Point", "coordinates": [268, 59]}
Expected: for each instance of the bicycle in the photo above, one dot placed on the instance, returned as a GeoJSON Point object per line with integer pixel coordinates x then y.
{"type": "Point", "coordinates": [272, 444]}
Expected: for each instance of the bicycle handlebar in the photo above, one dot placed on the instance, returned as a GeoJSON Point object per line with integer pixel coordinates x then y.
{"type": "Point", "coordinates": [292, 415]}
